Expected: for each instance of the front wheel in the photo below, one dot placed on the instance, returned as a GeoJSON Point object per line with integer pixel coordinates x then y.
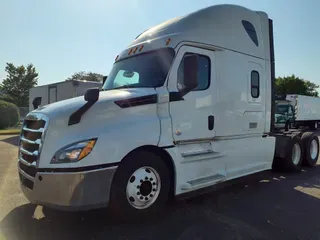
{"type": "Point", "coordinates": [141, 186]}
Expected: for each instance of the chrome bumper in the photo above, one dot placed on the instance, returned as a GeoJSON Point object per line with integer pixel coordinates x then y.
{"type": "Point", "coordinates": [70, 191]}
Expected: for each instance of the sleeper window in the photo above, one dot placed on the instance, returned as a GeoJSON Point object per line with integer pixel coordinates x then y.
{"type": "Point", "coordinates": [255, 84]}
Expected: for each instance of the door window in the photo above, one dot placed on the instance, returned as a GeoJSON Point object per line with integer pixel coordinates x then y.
{"type": "Point", "coordinates": [203, 73]}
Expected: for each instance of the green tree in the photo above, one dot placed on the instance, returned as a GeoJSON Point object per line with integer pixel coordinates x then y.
{"type": "Point", "coordinates": [15, 87]}
{"type": "Point", "coordinates": [9, 114]}
{"type": "Point", "coordinates": [295, 85]}
{"type": "Point", "coordinates": [88, 76]}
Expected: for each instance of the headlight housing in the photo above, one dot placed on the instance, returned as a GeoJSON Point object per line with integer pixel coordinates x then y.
{"type": "Point", "coordinates": [74, 152]}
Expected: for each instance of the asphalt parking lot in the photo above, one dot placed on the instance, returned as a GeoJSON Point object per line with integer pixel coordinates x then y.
{"type": "Point", "coordinates": [267, 205]}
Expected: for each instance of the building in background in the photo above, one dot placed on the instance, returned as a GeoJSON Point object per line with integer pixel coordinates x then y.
{"type": "Point", "coordinates": [54, 92]}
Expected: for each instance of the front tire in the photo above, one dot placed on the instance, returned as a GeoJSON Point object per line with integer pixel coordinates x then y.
{"type": "Point", "coordinates": [141, 186]}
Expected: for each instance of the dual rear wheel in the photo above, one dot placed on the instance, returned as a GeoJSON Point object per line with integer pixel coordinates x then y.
{"type": "Point", "coordinates": [300, 151]}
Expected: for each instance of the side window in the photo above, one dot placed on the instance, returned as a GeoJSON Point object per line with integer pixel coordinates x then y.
{"type": "Point", "coordinates": [204, 73]}
{"type": "Point", "coordinates": [251, 31]}
{"type": "Point", "coordinates": [255, 84]}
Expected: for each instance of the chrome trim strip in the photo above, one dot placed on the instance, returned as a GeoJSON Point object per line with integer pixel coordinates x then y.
{"type": "Point", "coordinates": [196, 153]}
{"type": "Point", "coordinates": [217, 138]}
{"type": "Point", "coordinates": [35, 153]}
{"type": "Point", "coordinates": [33, 164]}
{"type": "Point", "coordinates": [40, 130]}
{"type": "Point", "coordinates": [26, 175]}
{"type": "Point", "coordinates": [38, 141]}
{"type": "Point", "coordinates": [80, 172]}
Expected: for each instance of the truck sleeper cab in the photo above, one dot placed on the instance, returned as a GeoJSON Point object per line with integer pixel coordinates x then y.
{"type": "Point", "coordinates": [189, 104]}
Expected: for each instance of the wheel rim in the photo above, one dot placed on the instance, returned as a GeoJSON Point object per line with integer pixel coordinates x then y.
{"type": "Point", "coordinates": [314, 148]}
{"type": "Point", "coordinates": [143, 187]}
{"type": "Point", "coordinates": [296, 153]}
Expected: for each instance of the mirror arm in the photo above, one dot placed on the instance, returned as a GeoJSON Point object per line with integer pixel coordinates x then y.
{"type": "Point", "coordinates": [184, 91]}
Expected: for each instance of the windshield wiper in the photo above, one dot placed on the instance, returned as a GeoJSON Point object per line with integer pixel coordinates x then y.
{"type": "Point", "coordinates": [121, 87]}
{"type": "Point", "coordinates": [124, 86]}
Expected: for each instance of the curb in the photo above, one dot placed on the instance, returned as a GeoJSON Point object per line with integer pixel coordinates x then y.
{"type": "Point", "coordinates": [9, 133]}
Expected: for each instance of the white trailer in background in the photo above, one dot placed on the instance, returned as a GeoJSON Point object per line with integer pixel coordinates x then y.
{"type": "Point", "coordinates": [294, 111]}
{"type": "Point", "coordinates": [59, 91]}
{"type": "Point", "coordinates": [307, 108]}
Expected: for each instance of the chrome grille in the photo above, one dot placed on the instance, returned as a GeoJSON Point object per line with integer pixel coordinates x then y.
{"type": "Point", "coordinates": [31, 140]}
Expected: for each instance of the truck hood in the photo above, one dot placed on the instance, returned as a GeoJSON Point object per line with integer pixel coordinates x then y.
{"type": "Point", "coordinates": [106, 100]}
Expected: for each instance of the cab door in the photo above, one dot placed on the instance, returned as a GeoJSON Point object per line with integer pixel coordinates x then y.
{"type": "Point", "coordinates": [193, 114]}
{"type": "Point", "coordinates": [193, 117]}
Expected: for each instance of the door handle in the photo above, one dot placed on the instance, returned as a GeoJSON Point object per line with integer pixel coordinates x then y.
{"type": "Point", "coordinates": [210, 122]}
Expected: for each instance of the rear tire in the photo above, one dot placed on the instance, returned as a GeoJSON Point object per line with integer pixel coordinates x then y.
{"type": "Point", "coordinates": [141, 186]}
{"type": "Point", "coordinates": [293, 155]}
{"type": "Point", "coordinates": [311, 148]}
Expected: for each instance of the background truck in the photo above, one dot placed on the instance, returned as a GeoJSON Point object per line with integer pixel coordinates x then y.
{"type": "Point", "coordinates": [51, 93]}
{"type": "Point", "coordinates": [189, 104]}
{"type": "Point", "coordinates": [295, 111]}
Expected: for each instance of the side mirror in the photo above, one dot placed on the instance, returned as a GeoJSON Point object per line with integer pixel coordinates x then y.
{"type": "Point", "coordinates": [104, 79]}
{"type": "Point", "coordinates": [190, 72]}
{"type": "Point", "coordinates": [36, 102]}
{"type": "Point", "coordinates": [92, 95]}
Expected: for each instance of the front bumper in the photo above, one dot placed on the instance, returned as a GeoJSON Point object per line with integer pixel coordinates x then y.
{"type": "Point", "coordinates": [69, 191]}
{"type": "Point", "coordinates": [280, 125]}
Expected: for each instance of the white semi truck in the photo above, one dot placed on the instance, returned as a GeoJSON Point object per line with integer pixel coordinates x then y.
{"type": "Point", "coordinates": [54, 92]}
{"type": "Point", "coordinates": [188, 105]}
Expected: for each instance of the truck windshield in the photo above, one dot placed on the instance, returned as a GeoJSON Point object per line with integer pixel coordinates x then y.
{"type": "Point", "coordinates": [282, 109]}
{"type": "Point", "coordinates": [145, 70]}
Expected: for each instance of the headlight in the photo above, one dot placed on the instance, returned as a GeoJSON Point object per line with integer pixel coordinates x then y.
{"type": "Point", "coordinates": [74, 152]}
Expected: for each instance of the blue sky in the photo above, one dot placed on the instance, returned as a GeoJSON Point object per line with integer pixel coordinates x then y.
{"type": "Point", "coordinates": [65, 36]}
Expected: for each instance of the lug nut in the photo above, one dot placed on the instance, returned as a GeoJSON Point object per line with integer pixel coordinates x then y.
{"type": "Point", "coordinates": [132, 179]}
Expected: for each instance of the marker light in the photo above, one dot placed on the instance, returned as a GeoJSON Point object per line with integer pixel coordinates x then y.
{"type": "Point", "coordinates": [75, 152]}
{"type": "Point", "coordinates": [134, 51]}
{"type": "Point", "coordinates": [168, 41]}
